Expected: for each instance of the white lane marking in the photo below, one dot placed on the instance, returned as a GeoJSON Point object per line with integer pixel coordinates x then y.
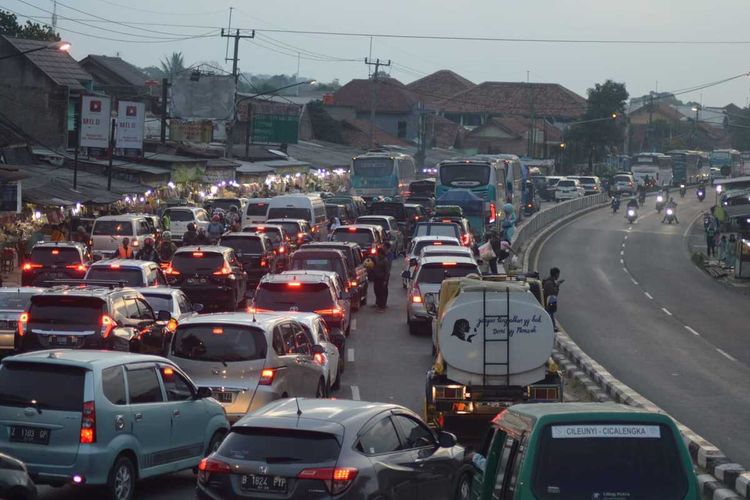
{"type": "Point", "coordinates": [649, 295]}
{"type": "Point", "coordinates": [626, 238]}
{"type": "Point", "coordinates": [692, 331]}
{"type": "Point", "coordinates": [728, 356]}
{"type": "Point", "coordinates": [355, 393]}
{"type": "Point", "coordinates": [634, 281]}
{"type": "Point", "coordinates": [666, 311]}
{"type": "Point", "coordinates": [622, 261]}
{"type": "Point", "coordinates": [625, 269]}
{"type": "Point", "coordinates": [622, 252]}
{"type": "Point", "coordinates": [354, 324]}
{"type": "Point", "coordinates": [350, 355]}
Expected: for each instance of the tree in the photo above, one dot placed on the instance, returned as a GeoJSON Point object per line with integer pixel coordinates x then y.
{"type": "Point", "coordinates": [739, 129]}
{"type": "Point", "coordinates": [172, 65]}
{"type": "Point", "coordinates": [32, 31]}
{"type": "Point", "coordinates": [602, 127]}
{"type": "Point", "coordinates": [153, 72]}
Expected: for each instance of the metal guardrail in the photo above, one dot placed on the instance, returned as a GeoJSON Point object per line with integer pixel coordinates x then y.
{"type": "Point", "coordinates": [544, 218]}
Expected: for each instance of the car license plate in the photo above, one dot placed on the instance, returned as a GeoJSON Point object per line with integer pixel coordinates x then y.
{"type": "Point", "coordinates": [66, 340]}
{"type": "Point", "coordinates": [224, 397]}
{"type": "Point", "coordinates": [196, 281]}
{"type": "Point", "coordinates": [253, 482]}
{"type": "Point", "coordinates": [33, 435]}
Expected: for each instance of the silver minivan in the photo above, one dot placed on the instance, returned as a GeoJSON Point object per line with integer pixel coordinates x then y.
{"type": "Point", "coordinates": [248, 360]}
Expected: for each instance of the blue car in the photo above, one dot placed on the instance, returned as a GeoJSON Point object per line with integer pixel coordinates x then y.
{"type": "Point", "coordinates": [86, 417]}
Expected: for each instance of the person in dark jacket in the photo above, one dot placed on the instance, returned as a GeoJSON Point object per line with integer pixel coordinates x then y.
{"type": "Point", "coordinates": [380, 274]}
{"type": "Point", "coordinates": [190, 235]}
{"type": "Point", "coordinates": [148, 252]}
{"type": "Point", "coordinates": [551, 286]}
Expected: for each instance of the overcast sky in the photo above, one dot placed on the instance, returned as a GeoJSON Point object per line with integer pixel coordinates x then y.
{"type": "Point", "coordinates": [575, 65]}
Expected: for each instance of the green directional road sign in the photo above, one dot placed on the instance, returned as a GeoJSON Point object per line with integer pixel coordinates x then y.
{"type": "Point", "coordinates": [277, 129]}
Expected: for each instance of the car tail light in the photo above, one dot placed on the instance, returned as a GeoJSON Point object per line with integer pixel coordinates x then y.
{"type": "Point", "coordinates": [115, 266]}
{"type": "Point", "coordinates": [23, 322]}
{"type": "Point", "coordinates": [300, 235]}
{"type": "Point", "coordinates": [416, 295]}
{"type": "Point", "coordinates": [337, 480]}
{"type": "Point", "coordinates": [107, 325]}
{"type": "Point", "coordinates": [353, 283]}
{"type": "Point", "coordinates": [29, 266]}
{"type": "Point", "coordinates": [373, 251]}
{"type": "Point", "coordinates": [314, 229]}
{"type": "Point", "coordinates": [352, 229]}
{"type": "Point", "coordinates": [320, 358]}
{"type": "Point", "coordinates": [493, 212]}
{"type": "Point", "coordinates": [465, 239]}
{"type": "Point", "coordinates": [449, 264]}
{"type": "Point", "coordinates": [282, 249]}
{"type": "Point", "coordinates": [266, 376]}
{"type": "Point", "coordinates": [335, 311]}
{"type": "Point", "coordinates": [172, 325]}
{"type": "Point", "coordinates": [77, 267]}
{"type": "Point", "coordinates": [224, 271]}
{"type": "Point", "coordinates": [209, 466]}
{"type": "Point", "coordinates": [55, 252]}
{"type": "Point", "coordinates": [171, 271]}
{"type": "Point", "coordinates": [294, 284]}
{"type": "Point", "coordinates": [197, 254]}
{"type": "Point", "coordinates": [88, 423]}
{"type": "Point", "coordinates": [263, 263]}
{"type": "Point", "coordinates": [253, 310]}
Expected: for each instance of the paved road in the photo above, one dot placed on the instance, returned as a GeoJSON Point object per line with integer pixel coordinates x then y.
{"type": "Point", "coordinates": [636, 304]}
{"type": "Point", "coordinates": [384, 363]}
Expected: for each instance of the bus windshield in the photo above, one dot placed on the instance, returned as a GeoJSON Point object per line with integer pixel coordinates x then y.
{"type": "Point", "coordinates": [373, 167]}
{"type": "Point", "coordinates": [462, 175]}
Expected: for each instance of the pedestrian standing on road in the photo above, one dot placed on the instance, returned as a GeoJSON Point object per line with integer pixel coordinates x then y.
{"type": "Point", "coordinates": [551, 285]}
{"type": "Point", "coordinates": [497, 248]}
{"type": "Point", "coordinates": [711, 238]}
{"type": "Point", "coordinates": [380, 275]}
{"type": "Point", "coordinates": [723, 248]}
{"type": "Point", "coordinates": [731, 250]}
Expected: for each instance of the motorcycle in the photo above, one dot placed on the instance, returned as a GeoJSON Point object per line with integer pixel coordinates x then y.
{"type": "Point", "coordinates": [683, 190]}
{"type": "Point", "coordinates": [670, 216]}
{"type": "Point", "coordinates": [615, 205]}
{"type": "Point", "coordinates": [701, 193]}
{"type": "Point", "coordinates": [642, 197]}
{"type": "Point", "coordinates": [659, 203]}
{"type": "Point", "coordinates": [632, 215]}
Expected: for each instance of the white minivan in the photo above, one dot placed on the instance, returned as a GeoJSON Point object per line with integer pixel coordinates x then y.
{"type": "Point", "coordinates": [256, 211]}
{"type": "Point", "coordinates": [109, 231]}
{"type": "Point", "coordinates": [301, 206]}
{"type": "Point", "coordinates": [180, 217]}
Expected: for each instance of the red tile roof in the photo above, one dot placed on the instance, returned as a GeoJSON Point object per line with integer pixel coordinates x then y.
{"type": "Point", "coordinates": [442, 132]}
{"type": "Point", "coordinates": [514, 98]}
{"type": "Point", "coordinates": [356, 133]}
{"type": "Point", "coordinates": [518, 127]}
{"type": "Point", "coordinates": [392, 96]}
{"type": "Point", "coordinates": [440, 85]}
{"type": "Point", "coordinates": [58, 65]}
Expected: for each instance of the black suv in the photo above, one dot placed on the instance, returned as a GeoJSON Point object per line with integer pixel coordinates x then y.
{"type": "Point", "coordinates": [328, 259]}
{"type": "Point", "coordinates": [353, 254]}
{"type": "Point", "coordinates": [210, 275]}
{"type": "Point", "coordinates": [254, 251]}
{"type": "Point", "coordinates": [55, 261]}
{"type": "Point", "coordinates": [91, 317]}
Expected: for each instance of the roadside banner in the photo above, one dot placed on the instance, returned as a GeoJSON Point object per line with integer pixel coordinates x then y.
{"type": "Point", "coordinates": [95, 120]}
{"type": "Point", "coordinates": [131, 119]}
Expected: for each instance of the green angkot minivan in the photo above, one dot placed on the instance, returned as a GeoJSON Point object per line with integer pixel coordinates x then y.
{"type": "Point", "coordinates": [580, 451]}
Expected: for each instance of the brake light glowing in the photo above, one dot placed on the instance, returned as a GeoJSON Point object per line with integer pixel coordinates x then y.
{"type": "Point", "coordinates": [449, 264]}
{"type": "Point", "coordinates": [353, 283]}
{"type": "Point", "coordinates": [437, 243]}
{"type": "Point", "coordinates": [197, 254]}
{"type": "Point", "coordinates": [212, 466]}
{"type": "Point", "coordinates": [107, 324]}
{"type": "Point", "coordinates": [373, 251]}
{"type": "Point", "coordinates": [172, 325]}
{"type": "Point", "coordinates": [282, 249]}
{"type": "Point", "coordinates": [252, 310]}
{"type": "Point", "coordinates": [77, 267]}
{"type": "Point", "coordinates": [294, 284]}
{"type": "Point", "coordinates": [337, 480]}
{"type": "Point", "coordinates": [320, 358]}
{"type": "Point", "coordinates": [300, 235]}
{"type": "Point", "coordinates": [336, 311]}
{"type": "Point", "coordinates": [114, 266]}
{"type": "Point", "coordinates": [352, 229]}
{"type": "Point", "coordinates": [416, 295]}
{"type": "Point", "coordinates": [465, 239]}
{"type": "Point", "coordinates": [218, 331]}
{"type": "Point", "coordinates": [266, 376]}
{"type": "Point", "coordinates": [261, 228]}
{"type": "Point", "coordinates": [263, 263]}
{"type": "Point", "coordinates": [447, 220]}
{"type": "Point", "coordinates": [171, 271]}
{"type": "Point", "coordinates": [55, 252]}
{"type": "Point", "coordinates": [167, 371]}
{"type": "Point", "coordinates": [29, 266]}
{"type": "Point", "coordinates": [88, 423]}
{"type": "Point", "coordinates": [493, 212]}
{"type": "Point", "coordinates": [224, 271]}
{"type": "Point", "coordinates": [23, 321]}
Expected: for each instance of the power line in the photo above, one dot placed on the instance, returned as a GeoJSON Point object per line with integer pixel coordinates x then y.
{"type": "Point", "coordinates": [162, 13]}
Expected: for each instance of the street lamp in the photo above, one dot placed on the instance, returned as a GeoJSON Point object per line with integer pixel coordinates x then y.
{"type": "Point", "coordinates": [61, 46]}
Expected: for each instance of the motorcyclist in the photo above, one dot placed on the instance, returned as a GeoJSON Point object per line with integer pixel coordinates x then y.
{"type": "Point", "coordinates": [642, 193]}
{"type": "Point", "coordinates": [615, 204]}
{"type": "Point", "coordinates": [190, 236]}
{"type": "Point", "coordinates": [673, 205]}
{"type": "Point", "coordinates": [166, 247]}
{"type": "Point", "coordinates": [233, 218]}
{"type": "Point", "coordinates": [215, 229]}
{"type": "Point", "coordinates": [683, 190]}
{"type": "Point", "coordinates": [633, 203]}
{"type": "Point", "coordinates": [148, 252]}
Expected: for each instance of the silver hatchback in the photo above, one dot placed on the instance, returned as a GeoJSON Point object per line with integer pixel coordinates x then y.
{"type": "Point", "coordinates": [249, 360]}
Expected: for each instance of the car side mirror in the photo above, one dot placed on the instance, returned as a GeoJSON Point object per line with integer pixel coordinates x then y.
{"type": "Point", "coordinates": [163, 316]}
{"type": "Point", "coordinates": [126, 334]}
{"type": "Point", "coordinates": [197, 307]}
{"type": "Point", "coordinates": [203, 393]}
{"type": "Point", "coordinates": [447, 439]}
{"type": "Point", "coordinates": [318, 349]}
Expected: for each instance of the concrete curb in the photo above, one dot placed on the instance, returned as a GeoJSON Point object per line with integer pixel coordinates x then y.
{"type": "Point", "coordinates": [718, 478]}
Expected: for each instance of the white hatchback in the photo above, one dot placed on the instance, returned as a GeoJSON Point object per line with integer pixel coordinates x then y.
{"type": "Point", "coordinates": [181, 217]}
{"type": "Point", "coordinates": [568, 189]}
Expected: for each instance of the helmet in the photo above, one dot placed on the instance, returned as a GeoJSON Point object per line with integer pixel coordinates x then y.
{"type": "Point", "coordinates": [166, 235]}
{"type": "Point", "coordinates": [215, 218]}
{"type": "Point", "coordinates": [149, 242]}
{"type": "Point", "coordinates": [233, 208]}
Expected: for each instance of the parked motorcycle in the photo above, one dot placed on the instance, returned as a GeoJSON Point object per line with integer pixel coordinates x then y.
{"type": "Point", "coordinates": [632, 215]}
{"type": "Point", "coordinates": [701, 193]}
{"type": "Point", "coordinates": [683, 190]}
{"type": "Point", "coordinates": [659, 203]}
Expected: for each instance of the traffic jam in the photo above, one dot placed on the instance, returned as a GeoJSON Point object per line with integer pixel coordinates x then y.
{"type": "Point", "coordinates": [214, 338]}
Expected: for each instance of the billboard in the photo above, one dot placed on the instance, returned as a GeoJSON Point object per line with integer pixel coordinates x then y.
{"type": "Point", "coordinates": [276, 129]}
{"type": "Point", "coordinates": [131, 118]}
{"type": "Point", "coordinates": [95, 120]}
{"type": "Point", "coordinates": [210, 97]}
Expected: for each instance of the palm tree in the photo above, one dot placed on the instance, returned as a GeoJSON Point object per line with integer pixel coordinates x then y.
{"type": "Point", "coordinates": [173, 65]}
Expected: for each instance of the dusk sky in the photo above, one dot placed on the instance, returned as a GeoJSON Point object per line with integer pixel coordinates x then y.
{"type": "Point", "coordinates": [105, 27]}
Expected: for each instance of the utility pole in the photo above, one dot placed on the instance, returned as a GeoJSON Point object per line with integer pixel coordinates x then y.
{"type": "Point", "coordinates": [113, 126]}
{"type": "Point", "coordinates": [650, 119]}
{"type": "Point", "coordinates": [235, 72]}
{"type": "Point", "coordinates": [164, 98]}
{"type": "Point", "coordinates": [374, 93]}
{"type": "Point", "coordinates": [54, 15]}
{"type": "Point", "coordinates": [229, 28]}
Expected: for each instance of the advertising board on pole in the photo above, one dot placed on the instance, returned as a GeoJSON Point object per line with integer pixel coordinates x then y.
{"type": "Point", "coordinates": [131, 118]}
{"type": "Point", "coordinates": [95, 120]}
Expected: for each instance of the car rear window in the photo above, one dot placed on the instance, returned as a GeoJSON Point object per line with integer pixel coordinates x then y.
{"type": "Point", "coordinates": [375, 221]}
{"type": "Point", "coordinates": [257, 208]}
{"type": "Point", "coordinates": [219, 342]}
{"type": "Point", "coordinates": [52, 386]}
{"type": "Point", "coordinates": [243, 244]}
{"type": "Point", "coordinates": [130, 276]}
{"type": "Point", "coordinates": [61, 310]}
{"type": "Point", "coordinates": [397, 210]}
{"type": "Point", "coordinates": [567, 183]}
{"type": "Point", "coordinates": [225, 203]}
{"type": "Point", "coordinates": [318, 263]}
{"type": "Point", "coordinates": [435, 273]}
{"type": "Point", "coordinates": [622, 178]}
{"type": "Point", "coordinates": [360, 236]}
{"type": "Point", "coordinates": [418, 246]}
{"type": "Point", "coordinates": [160, 302]}
{"type": "Point", "coordinates": [14, 301]}
{"type": "Point", "coordinates": [438, 230]}
{"type": "Point", "coordinates": [112, 228]}
{"type": "Point", "coordinates": [197, 262]}
{"type": "Point", "coordinates": [181, 215]}
{"type": "Point", "coordinates": [289, 227]}
{"type": "Point", "coordinates": [306, 297]}
{"type": "Point", "coordinates": [50, 256]}
{"type": "Point", "coordinates": [621, 460]}
{"type": "Point", "coordinates": [289, 213]}
{"type": "Point", "coordinates": [273, 233]}
{"type": "Point", "coordinates": [269, 445]}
